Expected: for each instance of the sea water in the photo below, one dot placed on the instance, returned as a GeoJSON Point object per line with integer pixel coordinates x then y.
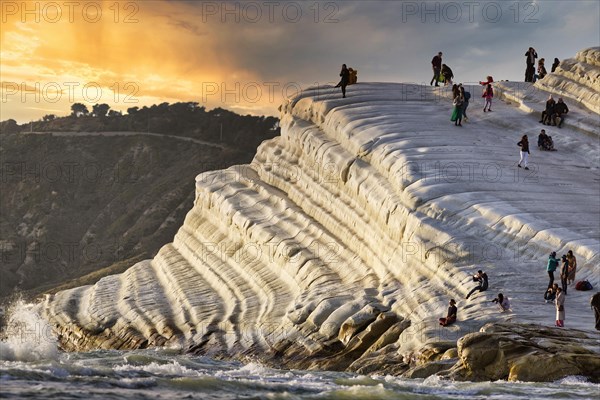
{"type": "Point", "coordinates": [32, 366]}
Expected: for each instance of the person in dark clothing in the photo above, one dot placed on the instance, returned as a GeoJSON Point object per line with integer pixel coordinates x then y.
{"type": "Point", "coordinates": [542, 68]}
{"type": "Point", "coordinates": [555, 64]}
{"type": "Point", "coordinates": [524, 144]}
{"type": "Point", "coordinates": [466, 96]}
{"type": "Point", "coordinates": [436, 64]}
{"type": "Point", "coordinates": [482, 279]}
{"type": "Point", "coordinates": [451, 315]}
{"type": "Point", "coordinates": [564, 273]}
{"type": "Point", "coordinates": [550, 294]}
{"type": "Point", "coordinates": [551, 267]}
{"type": "Point", "coordinates": [559, 110]}
{"type": "Point", "coordinates": [545, 142]}
{"type": "Point", "coordinates": [530, 60]}
{"type": "Point", "coordinates": [595, 304]}
{"type": "Point", "coordinates": [345, 74]}
{"type": "Point", "coordinates": [549, 106]}
{"type": "Point", "coordinates": [447, 74]}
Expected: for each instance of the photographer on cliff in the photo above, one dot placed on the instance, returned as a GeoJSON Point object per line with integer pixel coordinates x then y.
{"type": "Point", "coordinates": [482, 278]}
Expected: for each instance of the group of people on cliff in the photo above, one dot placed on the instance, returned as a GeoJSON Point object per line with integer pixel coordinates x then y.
{"type": "Point", "coordinates": [530, 71]}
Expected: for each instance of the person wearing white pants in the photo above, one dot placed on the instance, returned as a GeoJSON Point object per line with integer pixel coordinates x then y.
{"type": "Point", "coordinates": [524, 144]}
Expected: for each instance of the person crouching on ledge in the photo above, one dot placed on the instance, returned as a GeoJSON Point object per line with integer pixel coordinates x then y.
{"type": "Point", "coordinates": [451, 316]}
{"type": "Point", "coordinates": [502, 302]}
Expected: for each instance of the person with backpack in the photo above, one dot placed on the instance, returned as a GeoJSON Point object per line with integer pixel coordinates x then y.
{"type": "Point", "coordinates": [482, 283]}
{"type": "Point", "coordinates": [595, 305]}
{"type": "Point", "coordinates": [345, 74]}
{"type": "Point", "coordinates": [551, 267]}
{"type": "Point", "coordinates": [524, 145]}
{"type": "Point", "coordinates": [488, 95]}
{"type": "Point", "coordinates": [466, 96]}
{"type": "Point", "coordinates": [560, 308]}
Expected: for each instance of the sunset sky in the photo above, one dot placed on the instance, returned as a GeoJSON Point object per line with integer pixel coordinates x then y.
{"type": "Point", "coordinates": [247, 56]}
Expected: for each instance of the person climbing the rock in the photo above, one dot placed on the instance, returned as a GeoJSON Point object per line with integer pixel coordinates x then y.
{"type": "Point", "coordinates": [551, 267]}
{"type": "Point", "coordinates": [488, 95]}
{"type": "Point", "coordinates": [530, 60]}
{"type": "Point", "coordinates": [482, 279]}
{"type": "Point", "coordinates": [595, 304]}
{"type": "Point", "coordinates": [502, 302]}
{"type": "Point", "coordinates": [564, 273]}
{"type": "Point", "coordinates": [436, 64]}
{"type": "Point", "coordinates": [345, 74]}
{"type": "Point", "coordinates": [451, 315]}
{"type": "Point", "coordinates": [524, 145]}
{"type": "Point", "coordinates": [560, 308]}
{"type": "Point", "coordinates": [572, 267]}
{"type": "Point", "coordinates": [550, 294]}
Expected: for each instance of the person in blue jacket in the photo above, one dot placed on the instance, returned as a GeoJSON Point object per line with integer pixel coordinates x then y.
{"type": "Point", "coordinates": [551, 267]}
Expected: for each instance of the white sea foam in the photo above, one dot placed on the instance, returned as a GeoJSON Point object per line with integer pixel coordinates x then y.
{"type": "Point", "coordinates": [28, 337]}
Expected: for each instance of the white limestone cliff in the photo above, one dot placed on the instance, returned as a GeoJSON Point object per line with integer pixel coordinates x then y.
{"type": "Point", "coordinates": [341, 243]}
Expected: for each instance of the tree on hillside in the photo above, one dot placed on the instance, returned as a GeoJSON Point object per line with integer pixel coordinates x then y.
{"type": "Point", "coordinates": [113, 113]}
{"type": "Point", "coordinates": [132, 110]}
{"type": "Point", "coordinates": [9, 126]}
{"type": "Point", "coordinates": [79, 109]}
{"type": "Point", "coordinates": [49, 117]}
{"type": "Point", "coordinates": [100, 110]}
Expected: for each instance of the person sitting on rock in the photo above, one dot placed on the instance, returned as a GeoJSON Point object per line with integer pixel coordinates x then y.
{"type": "Point", "coordinates": [545, 142]}
{"type": "Point", "coordinates": [558, 113]}
{"type": "Point", "coordinates": [502, 302]}
{"type": "Point", "coordinates": [451, 316]}
{"type": "Point", "coordinates": [550, 294]}
{"type": "Point", "coordinates": [549, 105]}
{"type": "Point", "coordinates": [482, 279]}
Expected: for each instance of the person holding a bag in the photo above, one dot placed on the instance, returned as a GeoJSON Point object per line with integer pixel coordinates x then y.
{"type": "Point", "coordinates": [560, 308]}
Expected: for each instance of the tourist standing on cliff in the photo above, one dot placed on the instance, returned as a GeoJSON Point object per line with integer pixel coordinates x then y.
{"type": "Point", "coordinates": [531, 55]}
{"type": "Point", "coordinates": [560, 308]}
{"type": "Point", "coordinates": [551, 267]}
{"type": "Point", "coordinates": [466, 96]}
{"type": "Point", "coordinates": [488, 95]}
{"type": "Point", "coordinates": [555, 64]}
{"type": "Point", "coordinates": [436, 65]}
{"type": "Point", "coordinates": [572, 267]}
{"type": "Point", "coordinates": [564, 273]}
{"type": "Point", "coordinates": [595, 304]}
{"type": "Point", "coordinates": [542, 69]}
{"type": "Point", "coordinates": [482, 282]}
{"type": "Point", "coordinates": [524, 145]}
{"type": "Point", "coordinates": [451, 315]}
{"type": "Point", "coordinates": [457, 111]}
{"type": "Point", "coordinates": [345, 74]}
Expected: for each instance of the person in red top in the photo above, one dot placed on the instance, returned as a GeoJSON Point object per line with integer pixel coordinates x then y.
{"type": "Point", "coordinates": [488, 94]}
{"type": "Point", "coordinates": [436, 64]}
{"type": "Point", "coordinates": [524, 144]}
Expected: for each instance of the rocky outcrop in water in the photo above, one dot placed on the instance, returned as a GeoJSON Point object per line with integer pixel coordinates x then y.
{"type": "Point", "coordinates": [339, 246]}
